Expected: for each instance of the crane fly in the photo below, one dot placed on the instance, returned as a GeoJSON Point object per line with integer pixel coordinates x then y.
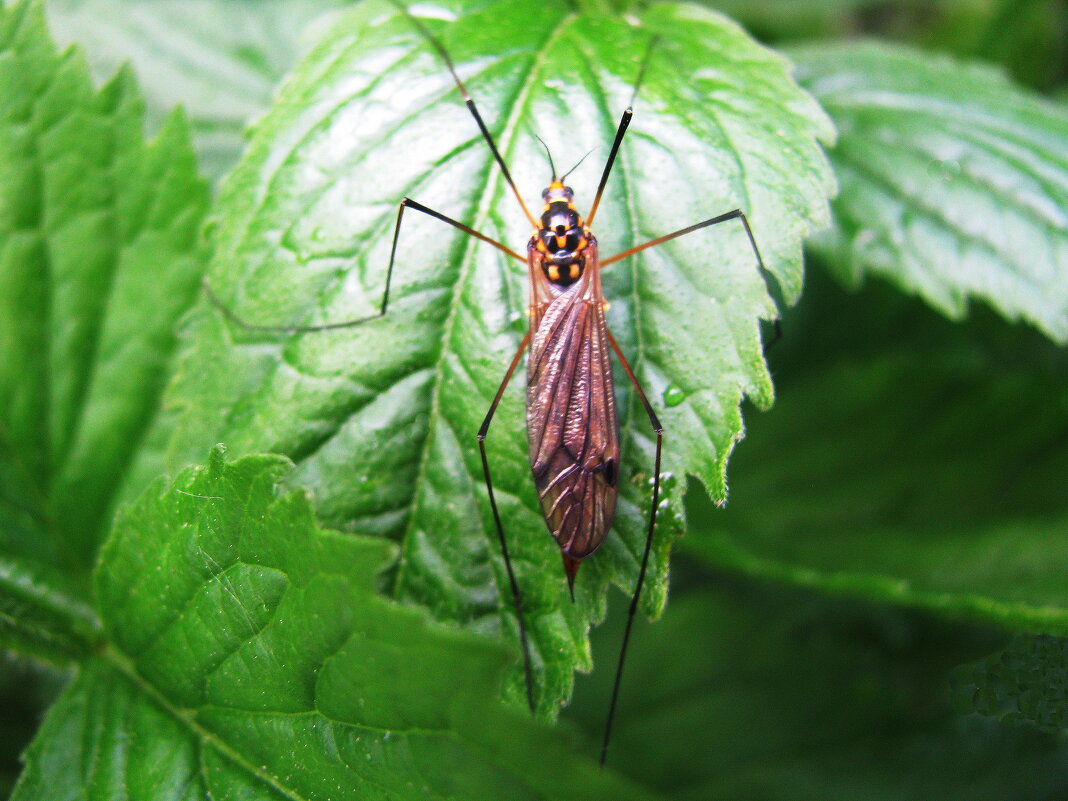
{"type": "Point", "coordinates": [572, 424]}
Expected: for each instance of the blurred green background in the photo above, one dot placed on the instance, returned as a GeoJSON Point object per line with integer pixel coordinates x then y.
{"type": "Point", "coordinates": [839, 698]}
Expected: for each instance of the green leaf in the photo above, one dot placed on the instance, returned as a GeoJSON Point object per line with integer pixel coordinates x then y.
{"type": "Point", "coordinates": [795, 20]}
{"type": "Point", "coordinates": [98, 259]}
{"type": "Point", "coordinates": [219, 59]}
{"type": "Point", "coordinates": [382, 418]}
{"type": "Point", "coordinates": [952, 181]}
{"type": "Point", "coordinates": [787, 696]}
{"type": "Point", "coordinates": [40, 616]}
{"type": "Point", "coordinates": [27, 688]}
{"type": "Point", "coordinates": [929, 472]}
{"type": "Point", "coordinates": [1025, 683]}
{"type": "Point", "coordinates": [251, 657]}
{"type": "Point", "coordinates": [1021, 36]}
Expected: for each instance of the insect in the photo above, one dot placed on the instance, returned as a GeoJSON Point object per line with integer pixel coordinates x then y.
{"type": "Point", "coordinates": [572, 426]}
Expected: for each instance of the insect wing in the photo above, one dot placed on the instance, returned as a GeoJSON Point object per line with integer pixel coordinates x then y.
{"type": "Point", "coordinates": [572, 427]}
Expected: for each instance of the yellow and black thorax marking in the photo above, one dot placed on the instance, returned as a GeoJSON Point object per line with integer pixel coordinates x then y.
{"type": "Point", "coordinates": [562, 238]}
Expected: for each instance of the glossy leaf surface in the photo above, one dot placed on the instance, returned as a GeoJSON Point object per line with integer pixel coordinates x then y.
{"type": "Point", "coordinates": [381, 419]}
{"type": "Point", "coordinates": [250, 656]}
{"type": "Point", "coordinates": [219, 59]}
{"type": "Point", "coordinates": [953, 181]}
{"type": "Point", "coordinates": [98, 259]}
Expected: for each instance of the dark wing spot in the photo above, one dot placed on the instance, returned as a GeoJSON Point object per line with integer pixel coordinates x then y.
{"type": "Point", "coordinates": [609, 470]}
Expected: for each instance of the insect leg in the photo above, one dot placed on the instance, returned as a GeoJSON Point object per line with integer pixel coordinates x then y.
{"type": "Point", "coordinates": [624, 123]}
{"type": "Point", "coordinates": [652, 243]}
{"type": "Point", "coordinates": [770, 282]}
{"type": "Point", "coordinates": [444, 54]}
{"type": "Point", "coordinates": [406, 203]}
{"type": "Point", "coordinates": [517, 597]}
{"type": "Point", "coordinates": [659, 431]}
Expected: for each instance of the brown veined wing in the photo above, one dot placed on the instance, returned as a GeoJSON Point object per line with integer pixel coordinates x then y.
{"type": "Point", "coordinates": [572, 427]}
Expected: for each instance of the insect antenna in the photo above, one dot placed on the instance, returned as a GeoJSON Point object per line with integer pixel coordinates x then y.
{"type": "Point", "coordinates": [575, 166]}
{"type": "Point", "coordinates": [443, 53]}
{"type": "Point", "coordinates": [550, 155]}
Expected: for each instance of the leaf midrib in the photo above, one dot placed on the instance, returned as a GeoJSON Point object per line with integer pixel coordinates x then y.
{"type": "Point", "coordinates": [505, 142]}
{"type": "Point", "coordinates": [629, 424]}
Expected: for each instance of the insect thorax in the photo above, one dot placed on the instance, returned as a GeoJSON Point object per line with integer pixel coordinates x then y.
{"type": "Point", "coordinates": [562, 239]}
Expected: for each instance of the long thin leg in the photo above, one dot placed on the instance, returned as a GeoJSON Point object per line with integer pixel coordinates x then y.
{"type": "Point", "coordinates": [624, 123]}
{"type": "Point", "coordinates": [516, 595]}
{"type": "Point", "coordinates": [659, 431]}
{"type": "Point", "coordinates": [404, 204]}
{"type": "Point", "coordinates": [736, 214]}
{"type": "Point", "coordinates": [771, 283]}
{"type": "Point", "coordinates": [440, 48]}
